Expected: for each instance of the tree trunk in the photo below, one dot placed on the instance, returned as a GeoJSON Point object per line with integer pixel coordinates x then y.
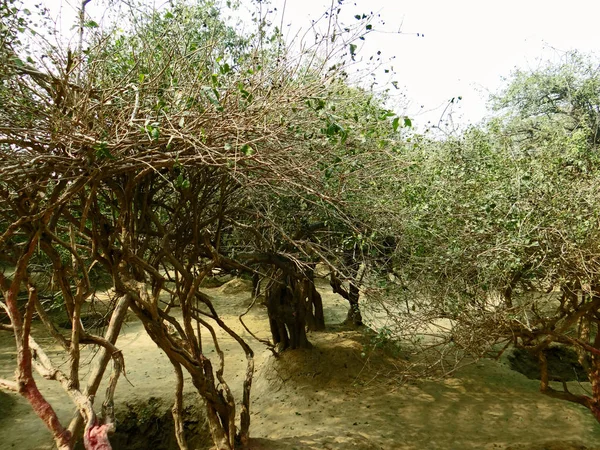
{"type": "Point", "coordinates": [217, 430]}
{"type": "Point", "coordinates": [255, 284]}
{"type": "Point", "coordinates": [114, 328]}
{"type": "Point", "coordinates": [594, 377]}
{"type": "Point", "coordinates": [220, 415]}
{"type": "Point", "coordinates": [286, 306]}
{"type": "Point", "coordinates": [354, 316]}
{"type": "Point", "coordinates": [26, 385]}
{"type": "Point", "coordinates": [315, 318]}
{"type": "Point", "coordinates": [595, 381]}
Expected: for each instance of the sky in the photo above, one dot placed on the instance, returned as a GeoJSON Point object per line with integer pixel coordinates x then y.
{"type": "Point", "coordinates": [463, 47]}
{"type": "Point", "coordinates": [466, 47]}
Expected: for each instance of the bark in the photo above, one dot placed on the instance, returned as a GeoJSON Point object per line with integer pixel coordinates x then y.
{"type": "Point", "coordinates": [594, 403]}
{"type": "Point", "coordinates": [219, 436]}
{"type": "Point", "coordinates": [31, 355]}
{"type": "Point", "coordinates": [315, 318]}
{"type": "Point", "coordinates": [26, 384]}
{"type": "Point", "coordinates": [96, 437]}
{"type": "Point", "coordinates": [255, 284]}
{"type": "Point", "coordinates": [220, 414]}
{"type": "Point", "coordinates": [354, 316]}
{"type": "Point", "coordinates": [104, 357]}
{"type": "Point", "coordinates": [177, 409]}
{"type": "Point", "coordinates": [594, 377]}
{"type": "Point", "coordinates": [352, 295]}
{"type": "Point", "coordinates": [245, 407]}
{"type": "Point", "coordinates": [96, 433]}
{"type": "Point", "coordinates": [244, 432]}
{"type": "Point", "coordinates": [286, 306]}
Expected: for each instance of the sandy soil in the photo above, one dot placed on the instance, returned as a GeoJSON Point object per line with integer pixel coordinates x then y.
{"type": "Point", "coordinates": [335, 396]}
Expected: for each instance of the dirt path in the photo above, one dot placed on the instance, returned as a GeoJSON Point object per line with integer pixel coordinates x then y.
{"type": "Point", "coordinates": [334, 397]}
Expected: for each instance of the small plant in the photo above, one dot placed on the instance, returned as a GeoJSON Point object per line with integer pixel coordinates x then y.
{"type": "Point", "coordinates": [382, 338]}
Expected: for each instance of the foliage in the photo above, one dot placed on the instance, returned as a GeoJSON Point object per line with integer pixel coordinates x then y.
{"type": "Point", "coordinates": [165, 151]}
{"type": "Point", "coordinates": [565, 93]}
{"type": "Point", "coordinates": [500, 226]}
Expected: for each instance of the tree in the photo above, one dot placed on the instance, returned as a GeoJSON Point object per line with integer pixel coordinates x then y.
{"type": "Point", "coordinates": [501, 223]}
{"type": "Point", "coordinates": [158, 155]}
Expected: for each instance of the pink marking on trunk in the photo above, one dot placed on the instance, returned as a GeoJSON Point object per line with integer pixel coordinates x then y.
{"type": "Point", "coordinates": [96, 438]}
{"type": "Point", "coordinates": [44, 410]}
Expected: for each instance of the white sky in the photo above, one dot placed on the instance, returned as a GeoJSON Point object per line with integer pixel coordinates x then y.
{"type": "Point", "coordinates": [468, 45]}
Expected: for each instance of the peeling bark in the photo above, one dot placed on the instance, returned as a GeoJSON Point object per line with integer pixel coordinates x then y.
{"type": "Point", "coordinates": [96, 437]}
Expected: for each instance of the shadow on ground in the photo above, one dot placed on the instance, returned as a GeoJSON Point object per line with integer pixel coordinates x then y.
{"type": "Point", "coordinates": [316, 442]}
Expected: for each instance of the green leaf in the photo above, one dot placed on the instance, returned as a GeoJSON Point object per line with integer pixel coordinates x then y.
{"type": "Point", "coordinates": [225, 69]}
{"type": "Point", "coordinates": [102, 151]}
{"type": "Point", "coordinates": [181, 182]}
{"type": "Point", "coordinates": [353, 49]}
{"type": "Point", "coordinates": [247, 95]}
{"type": "Point", "coordinates": [407, 122]}
{"type": "Point", "coordinates": [213, 97]}
{"type": "Point", "coordinates": [247, 150]}
{"type": "Point", "coordinates": [369, 27]}
{"type": "Point", "coordinates": [384, 114]}
{"type": "Point", "coordinates": [91, 24]}
{"type": "Point", "coordinates": [332, 129]}
{"type": "Point", "coordinates": [396, 124]}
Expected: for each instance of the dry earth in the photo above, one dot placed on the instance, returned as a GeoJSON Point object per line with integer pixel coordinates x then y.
{"type": "Point", "coordinates": [335, 396]}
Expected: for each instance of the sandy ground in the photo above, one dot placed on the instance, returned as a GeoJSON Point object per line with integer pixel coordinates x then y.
{"type": "Point", "coordinates": [336, 396]}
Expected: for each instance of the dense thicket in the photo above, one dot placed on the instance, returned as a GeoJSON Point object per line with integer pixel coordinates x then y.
{"type": "Point", "coordinates": [500, 230]}
{"type": "Point", "coordinates": [155, 156]}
